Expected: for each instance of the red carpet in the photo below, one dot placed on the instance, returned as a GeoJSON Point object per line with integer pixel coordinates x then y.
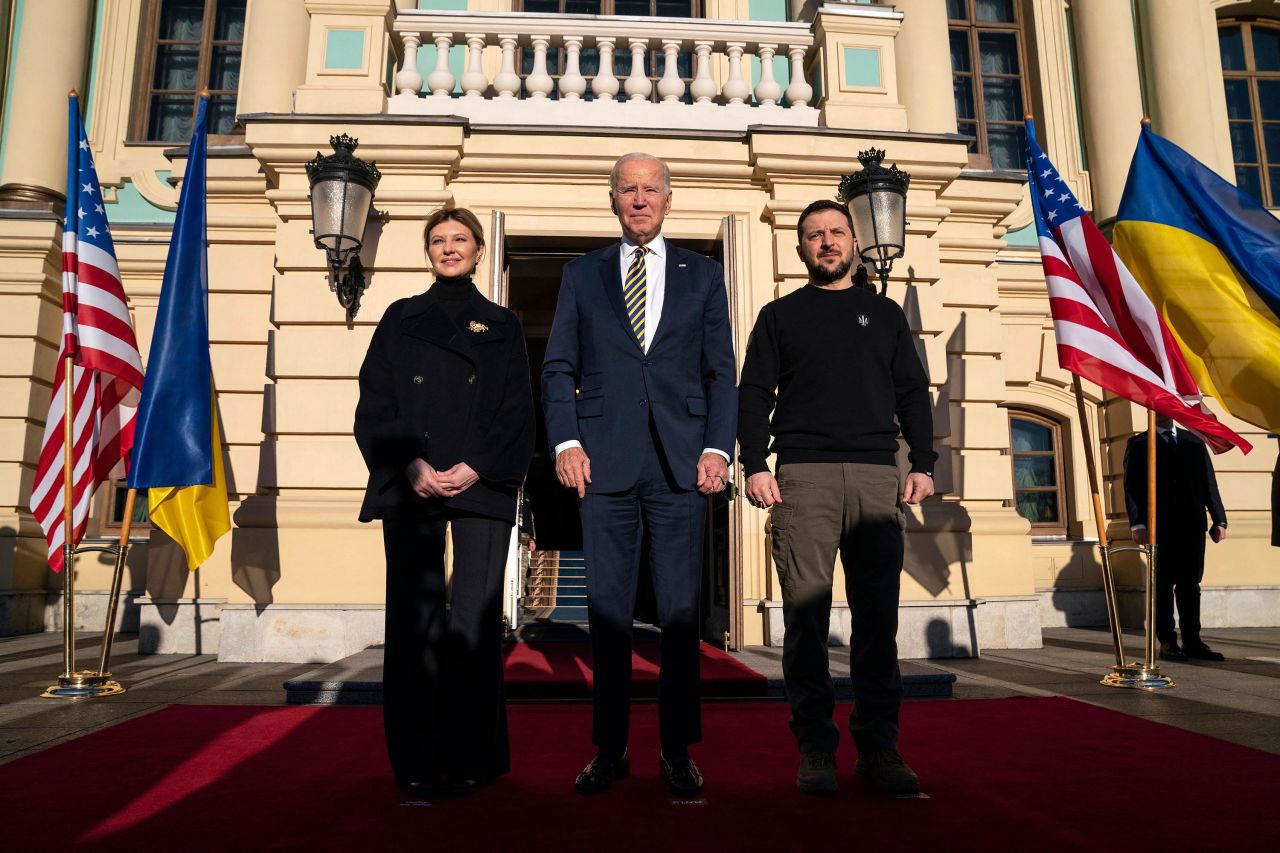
{"type": "Point", "coordinates": [1007, 774]}
{"type": "Point", "coordinates": [562, 670]}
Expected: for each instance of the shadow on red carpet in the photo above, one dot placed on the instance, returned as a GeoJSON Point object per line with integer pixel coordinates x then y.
{"type": "Point", "coordinates": [562, 670]}
{"type": "Point", "coordinates": [1008, 774]}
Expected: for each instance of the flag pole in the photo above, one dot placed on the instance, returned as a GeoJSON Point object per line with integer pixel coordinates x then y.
{"type": "Point", "coordinates": [1108, 575]}
{"type": "Point", "coordinates": [113, 601]}
{"type": "Point", "coordinates": [1150, 662]}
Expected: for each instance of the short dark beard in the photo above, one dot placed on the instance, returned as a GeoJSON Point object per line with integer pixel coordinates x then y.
{"type": "Point", "coordinates": [818, 275]}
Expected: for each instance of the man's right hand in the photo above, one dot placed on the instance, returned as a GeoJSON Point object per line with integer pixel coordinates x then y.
{"type": "Point", "coordinates": [424, 479]}
{"type": "Point", "coordinates": [762, 490]}
{"type": "Point", "coordinates": [574, 469]}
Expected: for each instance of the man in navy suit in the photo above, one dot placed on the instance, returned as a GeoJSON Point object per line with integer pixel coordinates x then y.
{"type": "Point", "coordinates": [639, 391]}
{"type": "Point", "coordinates": [1186, 489]}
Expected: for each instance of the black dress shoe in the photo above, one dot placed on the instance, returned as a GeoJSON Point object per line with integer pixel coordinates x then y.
{"type": "Point", "coordinates": [1171, 651]}
{"type": "Point", "coordinates": [683, 778]}
{"type": "Point", "coordinates": [598, 776]}
{"type": "Point", "coordinates": [1200, 651]}
{"type": "Point", "coordinates": [888, 773]}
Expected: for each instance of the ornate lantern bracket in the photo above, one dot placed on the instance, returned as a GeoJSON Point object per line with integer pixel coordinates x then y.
{"type": "Point", "coordinates": [877, 200]}
{"type": "Point", "coordinates": [342, 187]}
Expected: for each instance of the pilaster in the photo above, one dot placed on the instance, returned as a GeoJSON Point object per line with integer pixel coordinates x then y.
{"type": "Point", "coordinates": [348, 43]}
{"type": "Point", "coordinates": [858, 73]}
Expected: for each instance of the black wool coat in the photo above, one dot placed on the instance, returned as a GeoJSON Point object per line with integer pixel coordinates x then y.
{"type": "Point", "coordinates": [445, 392]}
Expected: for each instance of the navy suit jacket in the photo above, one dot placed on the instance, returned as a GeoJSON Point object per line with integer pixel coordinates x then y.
{"type": "Point", "coordinates": [600, 388]}
{"type": "Point", "coordinates": [1186, 486]}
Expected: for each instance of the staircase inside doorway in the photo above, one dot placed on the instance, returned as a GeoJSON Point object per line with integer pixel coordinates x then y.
{"type": "Point", "coordinates": [555, 587]}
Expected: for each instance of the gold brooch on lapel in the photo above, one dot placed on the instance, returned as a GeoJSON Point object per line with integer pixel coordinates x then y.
{"type": "Point", "coordinates": [477, 326]}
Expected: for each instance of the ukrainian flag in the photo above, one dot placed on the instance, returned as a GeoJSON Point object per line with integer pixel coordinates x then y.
{"type": "Point", "coordinates": [177, 451]}
{"type": "Point", "coordinates": [1208, 255]}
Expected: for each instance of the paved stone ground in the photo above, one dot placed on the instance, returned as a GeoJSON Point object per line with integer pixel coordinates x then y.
{"type": "Point", "coordinates": [1238, 700]}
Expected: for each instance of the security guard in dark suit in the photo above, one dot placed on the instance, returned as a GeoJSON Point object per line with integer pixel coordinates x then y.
{"type": "Point", "coordinates": [445, 423]}
{"type": "Point", "coordinates": [1186, 489]}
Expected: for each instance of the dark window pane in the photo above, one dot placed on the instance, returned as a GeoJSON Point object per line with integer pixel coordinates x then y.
{"type": "Point", "coordinates": [1249, 179]}
{"type": "Point", "coordinates": [1231, 46]}
{"type": "Point", "coordinates": [589, 62]}
{"type": "Point", "coordinates": [1238, 99]}
{"type": "Point", "coordinates": [970, 128]}
{"type": "Point", "coordinates": [960, 60]}
{"type": "Point", "coordinates": [170, 119]}
{"type": "Point", "coordinates": [1034, 471]}
{"type": "Point", "coordinates": [542, 5]}
{"type": "Point", "coordinates": [578, 7]}
{"type": "Point", "coordinates": [956, 10]}
{"type": "Point", "coordinates": [1274, 176]}
{"type": "Point", "coordinates": [222, 114]}
{"type": "Point", "coordinates": [1271, 140]}
{"type": "Point", "coordinates": [963, 87]}
{"type": "Point", "coordinates": [1030, 436]}
{"type": "Point", "coordinates": [175, 68]}
{"type": "Point", "coordinates": [224, 71]}
{"type": "Point", "coordinates": [1007, 146]}
{"type": "Point", "coordinates": [140, 514]}
{"type": "Point", "coordinates": [229, 21]}
{"type": "Point", "coordinates": [1038, 507]}
{"type": "Point", "coordinates": [1002, 98]}
{"type": "Point", "coordinates": [998, 11]}
{"type": "Point", "coordinates": [998, 53]}
{"type": "Point", "coordinates": [1244, 148]}
{"type": "Point", "coordinates": [631, 7]}
{"type": "Point", "coordinates": [1266, 49]}
{"type": "Point", "coordinates": [181, 20]}
{"type": "Point", "coordinates": [1269, 99]}
{"type": "Point", "coordinates": [674, 8]}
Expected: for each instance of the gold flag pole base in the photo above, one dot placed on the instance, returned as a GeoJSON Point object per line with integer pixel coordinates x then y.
{"type": "Point", "coordinates": [85, 684]}
{"type": "Point", "coordinates": [1146, 675]}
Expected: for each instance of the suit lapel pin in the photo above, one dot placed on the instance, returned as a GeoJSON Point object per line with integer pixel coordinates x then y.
{"type": "Point", "coordinates": [417, 380]}
{"type": "Point", "coordinates": [682, 266]}
{"type": "Point", "coordinates": [477, 326]}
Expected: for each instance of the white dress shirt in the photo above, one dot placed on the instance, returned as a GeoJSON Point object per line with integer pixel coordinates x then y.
{"type": "Point", "coordinates": [655, 272]}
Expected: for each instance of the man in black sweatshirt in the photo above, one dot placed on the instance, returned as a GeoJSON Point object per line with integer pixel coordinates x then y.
{"type": "Point", "coordinates": [835, 365]}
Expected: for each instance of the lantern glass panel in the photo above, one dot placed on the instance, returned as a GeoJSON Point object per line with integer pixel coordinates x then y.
{"type": "Point", "coordinates": [879, 219]}
{"type": "Point", "coordinates": [339, 210]}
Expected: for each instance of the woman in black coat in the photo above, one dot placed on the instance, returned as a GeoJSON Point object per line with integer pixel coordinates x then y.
{"type": "Point", "coordinates": [445, 423]}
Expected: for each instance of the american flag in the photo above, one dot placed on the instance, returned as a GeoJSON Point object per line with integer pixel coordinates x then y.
{"type": "Point", "coordinates": [1107, 329]}
{"type": "Point", "coordinates": [97, 335]}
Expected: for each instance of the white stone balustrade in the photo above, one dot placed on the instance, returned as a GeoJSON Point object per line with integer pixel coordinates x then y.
{"type": "Point", "coordinates": [720, 91]}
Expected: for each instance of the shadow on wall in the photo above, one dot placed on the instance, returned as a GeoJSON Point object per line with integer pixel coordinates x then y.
{"type": "Point", "coordinates": [940, 539]}
{"type": "Point", "coordinates": [255, 537]}
{"type": "Point", "coordinates": [942, 644]}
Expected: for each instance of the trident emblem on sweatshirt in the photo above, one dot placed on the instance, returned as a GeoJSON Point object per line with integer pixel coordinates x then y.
{"type": "Point", "coordinates": [863, 321]}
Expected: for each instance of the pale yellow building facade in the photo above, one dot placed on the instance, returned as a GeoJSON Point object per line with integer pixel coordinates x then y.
{"type": "Point", "coordinates": [759, 107]}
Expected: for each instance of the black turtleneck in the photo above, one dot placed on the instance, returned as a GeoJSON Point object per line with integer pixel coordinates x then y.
{"type": "Point", "coordinates": [454, 294]}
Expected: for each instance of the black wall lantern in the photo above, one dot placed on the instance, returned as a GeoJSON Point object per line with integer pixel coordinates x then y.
{"type": "Point", "coordinates": [877, 200]}
{"type": "Point", "coordinates": [342, 188]}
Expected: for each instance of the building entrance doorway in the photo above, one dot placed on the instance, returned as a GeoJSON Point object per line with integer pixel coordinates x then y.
{"type": "Point", "coordinates": [547, 575]}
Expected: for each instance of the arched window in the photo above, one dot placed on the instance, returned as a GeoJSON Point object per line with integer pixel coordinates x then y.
{"type": "Point", "coordinates": [1038, 482]}
{"type": "Point", "coordinates": [987, 65]}
{"type": "Point", "coordinates": [1251, 73]}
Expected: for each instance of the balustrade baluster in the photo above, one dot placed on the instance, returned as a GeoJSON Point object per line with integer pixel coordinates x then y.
{"type": "Point", "coordinates": [440, 81]}
{"type": "Point", "coordinates": [473, 80]}
{"type": "Point", "coordinates": [408, 79]}
{"type": "Point", "coordinates": [736, 88]}
{"type": "Point", "coordinates": [799, 92]}
{"type": "Point", "coordinates": [572, 84]}
{"type": "Point", "coordinates": [768, 91]}
{"type": "Point", "coordinates": [605, 84]}
{"type": "Point", "coordinates": [539, 83]}
{"type": "Point", "coordinates": [638, 86]}
{"type": "Point", "coordinates": [507, 83]}
{"type": "Point", "coordinates": [671, 87]}
{"type": "Point", "coordinates": [703, 87]}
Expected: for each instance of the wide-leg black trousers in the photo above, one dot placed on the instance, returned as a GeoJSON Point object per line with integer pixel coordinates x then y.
{"type": "Point", "coordinates": [443, 706]}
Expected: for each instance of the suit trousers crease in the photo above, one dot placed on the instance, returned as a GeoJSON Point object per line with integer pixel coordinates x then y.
{"type": "Point", "coordinates": [1179, 570]}
{"type": "Point", "coordinates": [615, 526]}
{"type": "Point", "coordinates": [443, 705]}
{"type": "Point", "coordinates": [850, 509]}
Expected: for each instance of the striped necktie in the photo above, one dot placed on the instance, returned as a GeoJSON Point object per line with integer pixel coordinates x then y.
{"type": "Point", "coordinates": [634, 293]}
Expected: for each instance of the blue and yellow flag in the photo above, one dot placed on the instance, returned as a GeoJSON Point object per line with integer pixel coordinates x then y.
{"type": "Point", "coordinates": [1208, 255]}
{"type": "Point", "coordinates": [177, 451]}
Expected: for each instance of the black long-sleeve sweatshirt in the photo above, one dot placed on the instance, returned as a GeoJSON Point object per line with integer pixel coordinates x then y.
{"type": "Point", "coordinates": [834, 367]}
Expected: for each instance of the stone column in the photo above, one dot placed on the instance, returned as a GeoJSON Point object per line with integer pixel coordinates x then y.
{"type": "Point", "coordinates": [924, 66]}
{"type": "Point", "coordinates": [50, 53]}
{"type": "Point", "coordinates": [1110, 95]}
{"type": "Point", "coordinates": [275, 56]}
{"type": "Point", "coordinates": [1184, 80]}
